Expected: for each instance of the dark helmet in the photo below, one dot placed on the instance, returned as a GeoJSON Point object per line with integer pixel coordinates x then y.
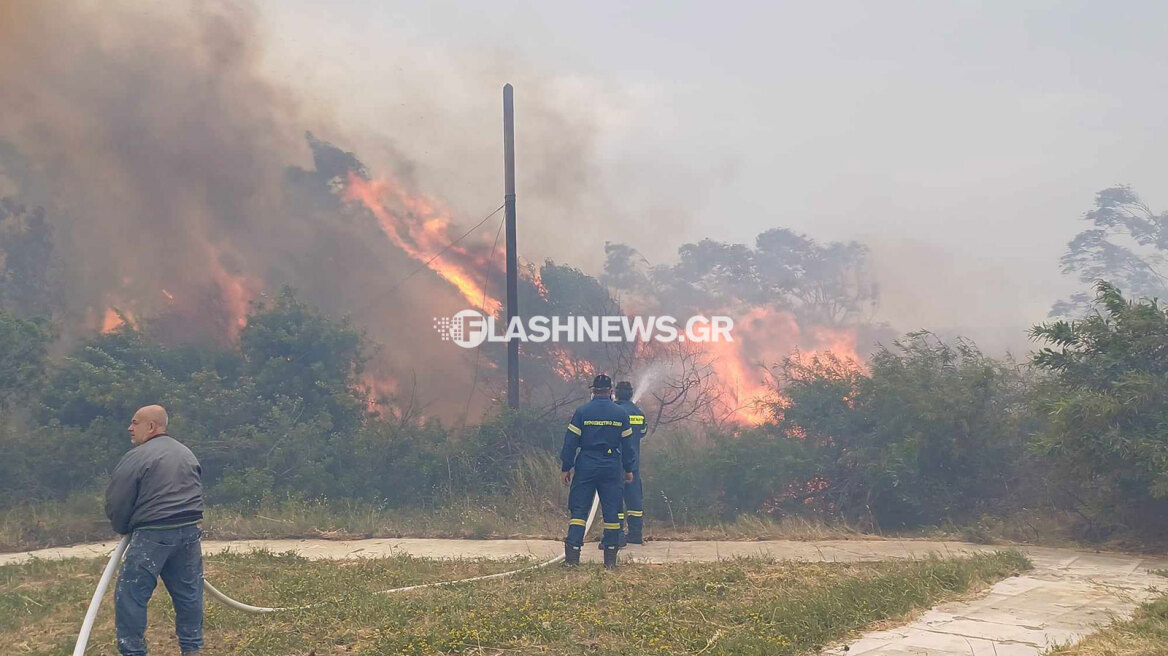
{"type": "Point", "coordinates": [624, 390]}
{"type": "Point", "coordinates": [602, 383]}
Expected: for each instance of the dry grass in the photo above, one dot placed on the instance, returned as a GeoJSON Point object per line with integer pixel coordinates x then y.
{"type": "Point", "coordinates": [533, 511]}
{"type": "Point", "coordinates": [747, 606]}
{"type": "Point", "coordinates": [533, 508]}
{"type": "Point", "coordinates": [81, 520]}
{"type": "Point", "coordinates": [47, 524]}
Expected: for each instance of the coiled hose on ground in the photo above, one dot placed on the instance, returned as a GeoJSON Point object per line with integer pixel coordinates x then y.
{"type": "Point", "coordinates": [116, 558]}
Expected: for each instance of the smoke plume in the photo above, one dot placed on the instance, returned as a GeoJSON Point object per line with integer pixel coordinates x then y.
{"type": "Point", "coordinates": [184, 179]}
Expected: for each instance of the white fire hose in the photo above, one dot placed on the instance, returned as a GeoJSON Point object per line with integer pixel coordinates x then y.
{"type": "Point", "coordinates": [116, 557]}
{"type": "Point", "coordinates": [95, 603]}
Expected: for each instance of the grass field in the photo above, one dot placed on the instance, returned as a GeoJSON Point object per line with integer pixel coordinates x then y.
{"type": "Point", "coordinates": [751, 606]}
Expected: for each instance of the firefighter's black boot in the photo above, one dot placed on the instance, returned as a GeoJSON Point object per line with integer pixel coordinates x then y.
{"type": "Point", "coordinates": [610, 557]}
{"type": "Point", "coordinates": [571, 554]}
{"type": "Point", "coordinates": [636, 530]}
{"type": "Point", "coordinates": [622, 542]}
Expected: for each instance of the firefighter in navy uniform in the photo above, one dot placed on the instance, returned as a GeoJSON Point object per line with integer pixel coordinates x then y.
{"type": "Point", "coordinates": [634, 508]}
{"type": "Point", "coordinates": [600, 431]}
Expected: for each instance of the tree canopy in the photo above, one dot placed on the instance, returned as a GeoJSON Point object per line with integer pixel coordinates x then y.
{"type": "Point", "coordinates": [1127, 244]}
{"type": "Point", "coordinates": [1108, 400]}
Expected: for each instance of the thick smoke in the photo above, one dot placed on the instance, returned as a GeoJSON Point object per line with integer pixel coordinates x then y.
{"type": "Point", "coordinates": [181, 186]}
{"type": "Point", "coordinates": [182, 180]}
{"type": "Point", "coordinates": [153, 146]}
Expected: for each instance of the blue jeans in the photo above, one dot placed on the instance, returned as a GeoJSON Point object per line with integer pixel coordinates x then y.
{"type": "Point", "coordinates": [176, 555]}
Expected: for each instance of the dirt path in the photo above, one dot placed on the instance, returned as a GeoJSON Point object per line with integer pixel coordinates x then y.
{"type": "Point", "coordinates": [1067, 595]}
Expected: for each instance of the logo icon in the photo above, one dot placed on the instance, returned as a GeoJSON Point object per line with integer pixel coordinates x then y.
{"type": "Point", "coordinates": [467, 328]}
{"type": "Point", "coordinates": [471, 328]}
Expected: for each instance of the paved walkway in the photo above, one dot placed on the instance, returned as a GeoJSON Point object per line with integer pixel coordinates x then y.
{"type": "Point", "coordinates": [1067, 595]}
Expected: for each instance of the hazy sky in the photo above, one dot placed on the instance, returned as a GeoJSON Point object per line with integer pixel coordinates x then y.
{"type": "Point", "coordinates": [961, 140]}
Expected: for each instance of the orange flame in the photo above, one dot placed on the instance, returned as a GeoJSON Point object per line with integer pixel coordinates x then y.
{"type": "Point", "coordinates": [378, 390]}
{"type": "Point", "coordinates": [112, 320]}
{"type": "Point", "coordinates": [839, 341]}
{"type": "Point", "coordinates": [422, 229]}
{"type": "Point", "coordinates": [763, 337]}
{"type": "Point", "coordinates": [213, 305]}
{"type": "Point", "coordinates": [236, 290]}
{"type": "Point", "coordinates": [236, 296]}
{"type": "Point", "coordinates": [568, 367]}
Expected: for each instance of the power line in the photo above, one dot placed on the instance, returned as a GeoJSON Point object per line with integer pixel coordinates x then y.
{"type": "Point", "coordinates": [478, 352]}
{"type": "Point", "coordinates": [449, 246]}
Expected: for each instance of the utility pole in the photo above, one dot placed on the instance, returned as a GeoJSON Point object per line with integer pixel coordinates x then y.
{"type": "Point", "coordinates": [512, 258]}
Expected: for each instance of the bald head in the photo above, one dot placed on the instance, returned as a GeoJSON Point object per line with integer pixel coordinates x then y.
{"type": "Point", "coordinates": [149, 422]}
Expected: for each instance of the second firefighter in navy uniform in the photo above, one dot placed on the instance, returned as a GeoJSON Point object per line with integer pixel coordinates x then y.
{"type": "Point", "coordinates": [597, 446]}
{"type": "Point", "coordinates": [634, 512]}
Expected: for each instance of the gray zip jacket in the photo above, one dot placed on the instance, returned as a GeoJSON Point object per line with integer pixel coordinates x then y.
{"type": "Point", "coordinates": [157, 483]}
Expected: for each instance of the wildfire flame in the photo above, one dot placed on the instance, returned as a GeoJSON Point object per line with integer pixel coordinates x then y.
{"type": "Point", "coordinates": [421, 228]}
{"type": "Point", "coordinates": [236, 291]}
{"type": "Point", "coordinates": [112, 320]}
{"type": "Point", "coordinates": [568, 367]}
{"type": "Point", "coordinates": [215, 307]}
{"type": "Point", "coordinates": [378, 389]}
{"type": "Point", "coordinates": [763, 337]}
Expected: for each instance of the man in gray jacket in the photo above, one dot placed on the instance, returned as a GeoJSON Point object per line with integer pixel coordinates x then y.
{"type": "Point", "coordinates": [155, 495]}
